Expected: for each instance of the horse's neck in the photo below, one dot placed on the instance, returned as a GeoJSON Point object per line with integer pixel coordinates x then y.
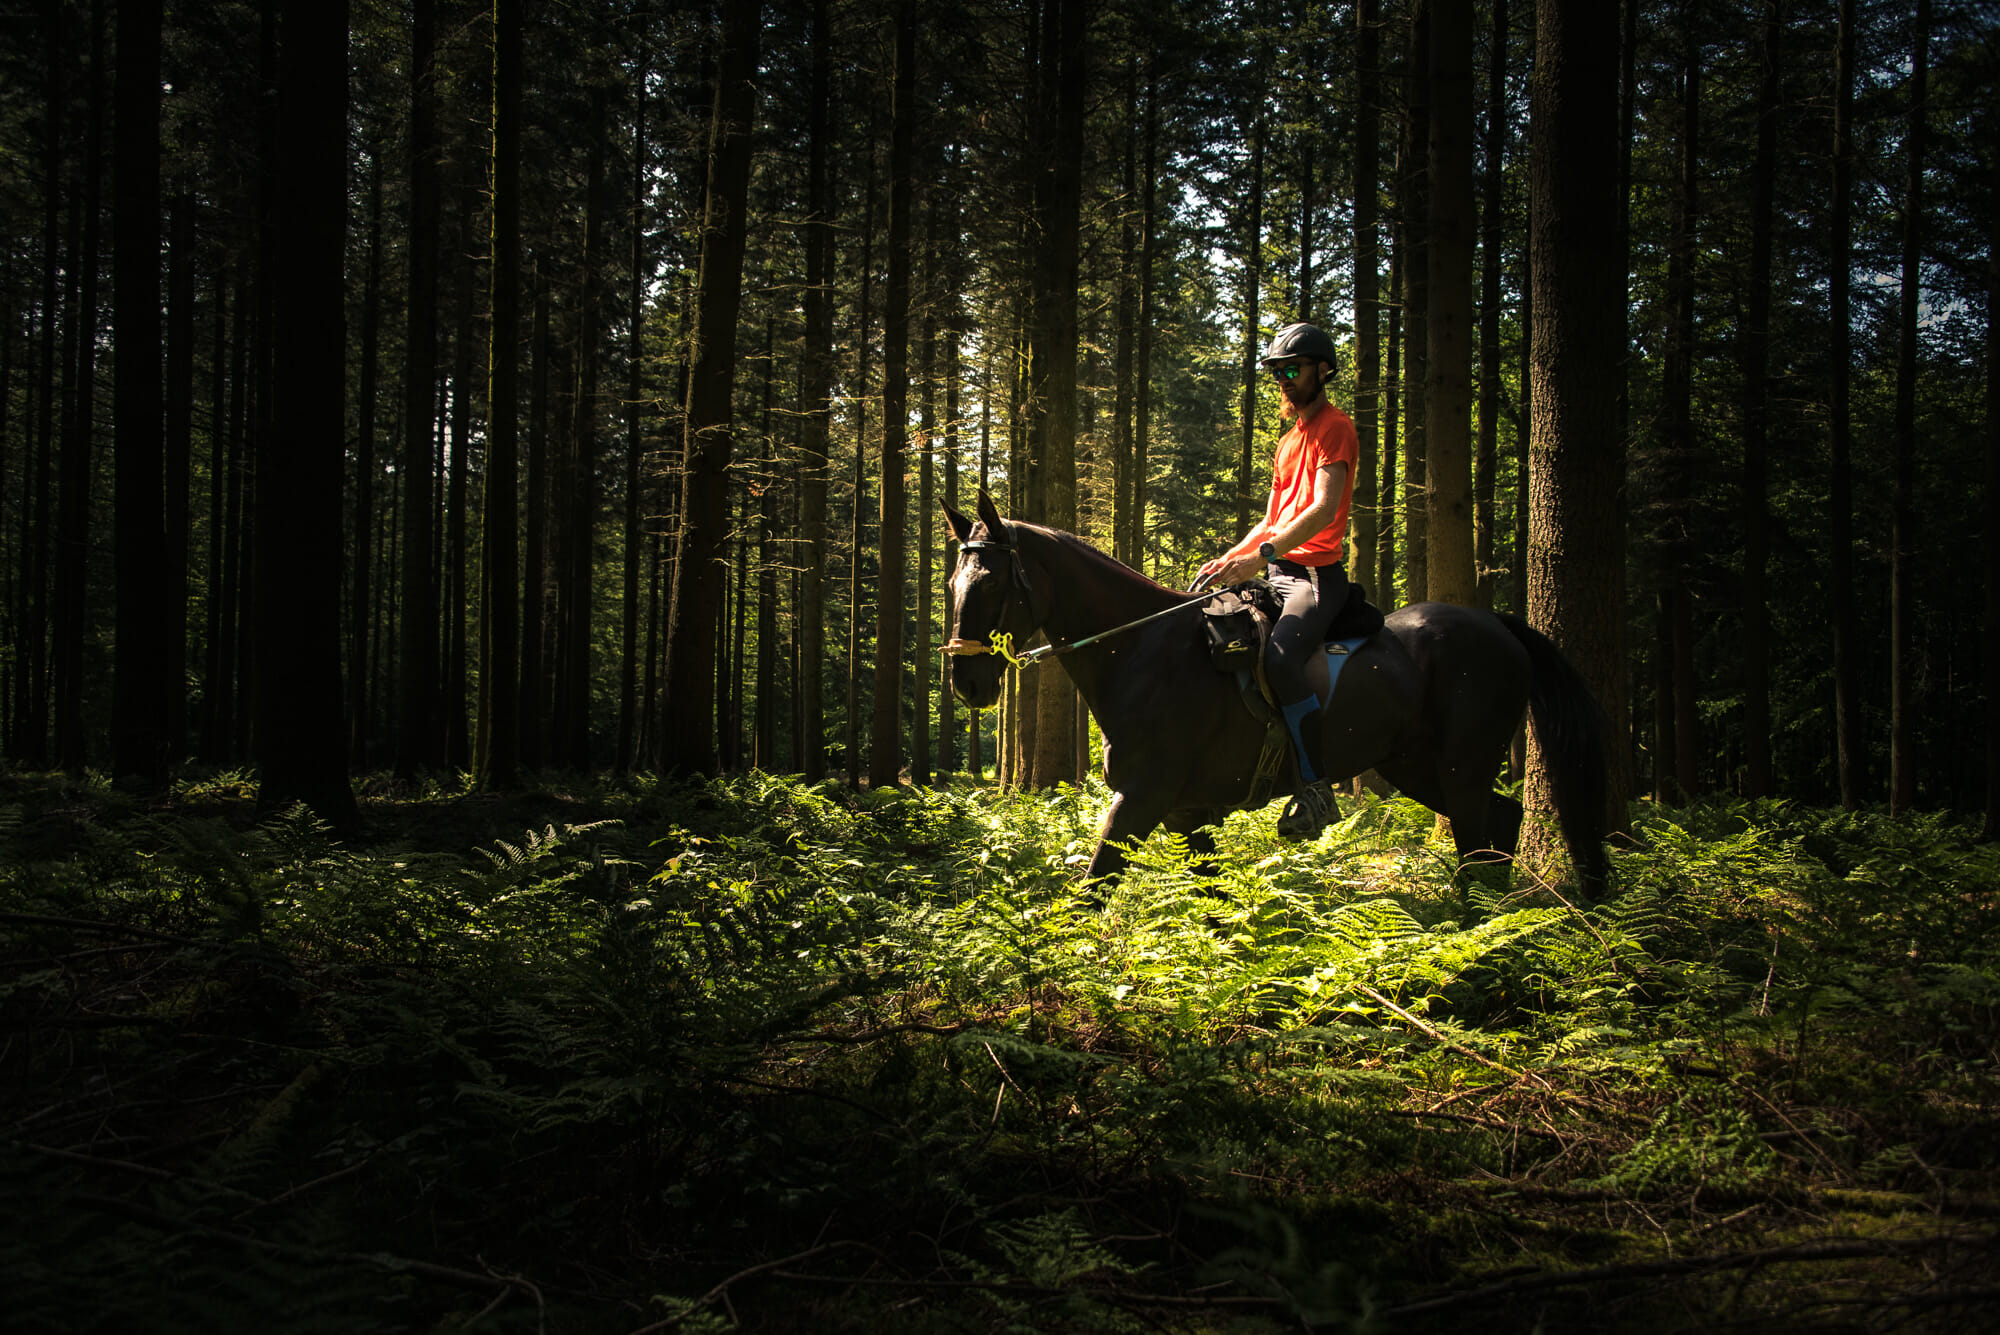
{"type": "Point", "coordinates": [1089, 597]}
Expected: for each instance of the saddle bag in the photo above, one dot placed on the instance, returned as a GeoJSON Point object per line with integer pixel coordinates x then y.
{"type": "Point", "coordinates": [1235, 643]}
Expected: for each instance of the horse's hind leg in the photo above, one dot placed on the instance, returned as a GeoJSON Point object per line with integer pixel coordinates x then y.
{"type": "Point", "coordinates": [1475, 811]}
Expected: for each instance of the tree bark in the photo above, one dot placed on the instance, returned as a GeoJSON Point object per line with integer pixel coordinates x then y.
{"type": "Point", "coordinates": [419, 741]}
{"type": "Point", "coordinates": [1576, 565]}
{"type": "Point", "coordinates": [1850, 754]}
{"type": "Point", "coordinates": [689, 742]}
{"type": "Point", "coordinates": [1903, 513]}
{"type": "Point", "coordinates": [302, 752]}
{"type": "Point", "coordinates": [140, 670]}
{"type": "Point", "coordinates": [1253, 287]}
{"type": "Point", "coordinates": [1451, 575]}
{"type": "Point", "coordinates": [815, 407]}
{"type": "Point", "coordinates": [1364, 522]}
{"type": "Point", "coordinates": [1486, 452]}
{"type": "Point", "coordinates": [67, 687]}
{"type": "Point", "coordinates": [498, 751]}
{"type": "Point", "coordinates": [1756, 427]}
{"type": "Point", "coordinates": [1053, 361]}
{"type": "Point", "coordinates": [1415, 205]}
{"type": "Point", "coordinates": [885, 744]}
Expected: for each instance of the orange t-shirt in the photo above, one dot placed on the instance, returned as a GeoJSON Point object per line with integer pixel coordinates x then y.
{"type": "Point", "coordinates": [1326, 439]}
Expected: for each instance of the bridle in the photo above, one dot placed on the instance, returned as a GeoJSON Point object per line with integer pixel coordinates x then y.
{"type": "Point", "coordinates": [1018, 572]}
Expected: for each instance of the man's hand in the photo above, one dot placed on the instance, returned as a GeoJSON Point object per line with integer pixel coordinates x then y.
{"type": "Point", "coordinates": [1224, 570]}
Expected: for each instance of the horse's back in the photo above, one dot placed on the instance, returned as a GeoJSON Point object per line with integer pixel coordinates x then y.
{"type": "Point", "coordinates": [1434, 671]}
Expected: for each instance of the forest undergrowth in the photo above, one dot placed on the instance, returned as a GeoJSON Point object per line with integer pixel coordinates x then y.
{"type": "Point", "coordinates": [644, 1056]}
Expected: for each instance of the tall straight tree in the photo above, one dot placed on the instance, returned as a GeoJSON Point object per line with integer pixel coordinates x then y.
{"type": "Point", "coordinates": [1756, 519]}
{"type": "Point", "coordinates": [1903, 505]}
{"type": "Point", "coordinates": [1413, 190]}
{"type": "Point", "coordinates": [688, 734]}
{"type": "Point", "coordinates": [1675, 723]}
{"type": "Point", "coordinates": [815, 407]}
{"type": "Point", "coordinates": [1253, 285]}
{"type": "Point", "coordinates": [1991, 645]}
{"type": "Point", "coordinates": [419, 741]}
{"type": "Point", "coordinates": [140, 669]}
{"type": "Point", "coordinates": [1367, 291]}
{"type": "Point", "coordinates": [1850, 747]}
{"type": "Point", "coordinates": [1451, 576]}
{"type": "Point", "coordinates": [885, 741]}
{"type": "Point", "coordinates": [72, 566]}
{"type": "Point", "coordinates": [302, 747]}
{"type": "Point", "coordinates": [1576, 558]}
{"type": "Point", "coordinates": [1053, 355]}
{"type": "Point", "coordinates": [1485, 461]}
{"type": "Point", "coordinates": [497, 755]}
{"type": "Point", "coordinates": [633, 608]}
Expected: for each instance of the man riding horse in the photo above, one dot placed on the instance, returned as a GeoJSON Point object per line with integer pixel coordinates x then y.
{"type": "Point", "coordinates": [1305, 526]}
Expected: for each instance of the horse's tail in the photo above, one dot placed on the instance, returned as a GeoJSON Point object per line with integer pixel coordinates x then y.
{"type": "Point", "coordinates": [1573, 734]}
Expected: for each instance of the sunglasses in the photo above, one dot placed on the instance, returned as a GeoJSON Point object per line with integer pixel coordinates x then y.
{"type": "Point", "coordinates": [1289, 371]}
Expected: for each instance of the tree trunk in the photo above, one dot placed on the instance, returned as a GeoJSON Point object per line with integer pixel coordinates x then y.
{"type": "Point", "coordinates": [1389, 499]}
{"type": "Point", "coordinates": [1850, 747]}
{"type": "Point", "coordinates": [1450, 573]}
{"type": "Point", "coordinates": [577, 509]}
{"type": "Point", "coordinates": [885, 745]}
{"type": "Point", "coordinates": [1365, 526]}
{"type": "Point", "coordinates": [1576, 562]}
{"type": "Point", "coordinates": [1486, 454]}
{"type": "Point", "coordinates": [68, 688]}
{"type": "Point", "coordinates": [857, 535]}
{"type": "Point", "coordinates": [498, 752]}
{"type": "Point", "coordinates": [1676, 743]}
{"type": "Point", "coordinates": [302, 751]}
{"type": "Point", "coordinates": [815, 407]}
{"type": "Point", "coordinates": [689, 744]}
{"type": "Point", "coordinates": [140, 669]}
{"type": "Point", "coordinates": [457, 745]}
{"type": "Point", "coordinates": [419, 741]}
{"type": "Point", "coordinates": [1903, 522]}
{"type": "Point", "coordinates": [367, 472]}
{"type": "Point", "coordinates": [1991, 829]}
{"type": "Point", "coordinates": [1415, 204]}
{"type": "Point", "coordinates": [1053, 364]}
{"type": "Point", "coordinates": [632, 610]}
{"type": "Point", "coordinates": [1756, 429]}
{"type": "Point", "coordinates": [533, 689]}
{"type": "Point", "coordinates": [1253, 287]}
{"type": "Point", "coordinates": [927, 521]}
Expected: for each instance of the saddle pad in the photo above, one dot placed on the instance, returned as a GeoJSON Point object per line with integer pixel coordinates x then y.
{"type": "Point", "coordinates": [1337, 654]}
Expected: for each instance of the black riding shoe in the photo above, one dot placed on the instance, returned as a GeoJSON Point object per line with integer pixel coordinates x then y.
{"type": "Point", "coordinates": [1308, 813]}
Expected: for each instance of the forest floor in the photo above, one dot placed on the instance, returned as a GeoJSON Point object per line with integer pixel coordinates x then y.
{"type": "Point", "coordinates": [642, 1056]}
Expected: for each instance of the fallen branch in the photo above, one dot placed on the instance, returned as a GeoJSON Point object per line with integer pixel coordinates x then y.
{"type": "Point", "coordinates": [1842, 1250]}
{"type": "Point", "coordinates": [1432, 1032]}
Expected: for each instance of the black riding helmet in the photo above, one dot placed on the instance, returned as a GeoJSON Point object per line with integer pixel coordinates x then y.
{"type": "Point", "coordinates": [1302, 340]}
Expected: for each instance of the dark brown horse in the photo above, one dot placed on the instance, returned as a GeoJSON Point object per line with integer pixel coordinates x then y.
{"type": "Point", "coordinates": [1430, 702]}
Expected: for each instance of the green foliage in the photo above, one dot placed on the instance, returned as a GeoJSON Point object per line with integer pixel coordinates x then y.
{"type": "Point", "coordinates": [889, 1046]}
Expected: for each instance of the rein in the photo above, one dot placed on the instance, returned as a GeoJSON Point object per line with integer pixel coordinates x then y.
{"type": "Point", "coordinates": [960, 648]}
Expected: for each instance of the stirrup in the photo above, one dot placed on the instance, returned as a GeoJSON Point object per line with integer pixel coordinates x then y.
{"type": "Point", "coordinates": [1308, 813]}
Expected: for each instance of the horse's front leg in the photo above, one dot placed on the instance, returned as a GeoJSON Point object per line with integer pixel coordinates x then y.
{"type": "Point", "coordinates": [1127, 821]}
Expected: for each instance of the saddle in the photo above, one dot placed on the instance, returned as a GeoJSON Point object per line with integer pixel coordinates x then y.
{"type": "Point", "coordinates": [1238, 624]}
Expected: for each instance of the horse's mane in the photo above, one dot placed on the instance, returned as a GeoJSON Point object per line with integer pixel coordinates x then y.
{"type": "Point", "coordinates": [1096, 556]}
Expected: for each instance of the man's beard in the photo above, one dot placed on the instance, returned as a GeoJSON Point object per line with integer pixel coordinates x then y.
{"type": "Point", "coordinates": [1288, 408]}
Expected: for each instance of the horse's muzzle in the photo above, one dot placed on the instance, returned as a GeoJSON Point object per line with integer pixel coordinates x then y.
{"type": "Point", "coordinates": [966, 648]}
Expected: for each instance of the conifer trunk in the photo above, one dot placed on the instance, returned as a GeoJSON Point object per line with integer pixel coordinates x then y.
{"type": "Point", "coordinates": [689, 744]}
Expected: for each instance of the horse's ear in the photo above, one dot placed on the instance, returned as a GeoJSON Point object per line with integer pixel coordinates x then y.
{"type": "Point", "coordinates": [989, 515]}
{"type": "Point", "coordinates": [961, 527]}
